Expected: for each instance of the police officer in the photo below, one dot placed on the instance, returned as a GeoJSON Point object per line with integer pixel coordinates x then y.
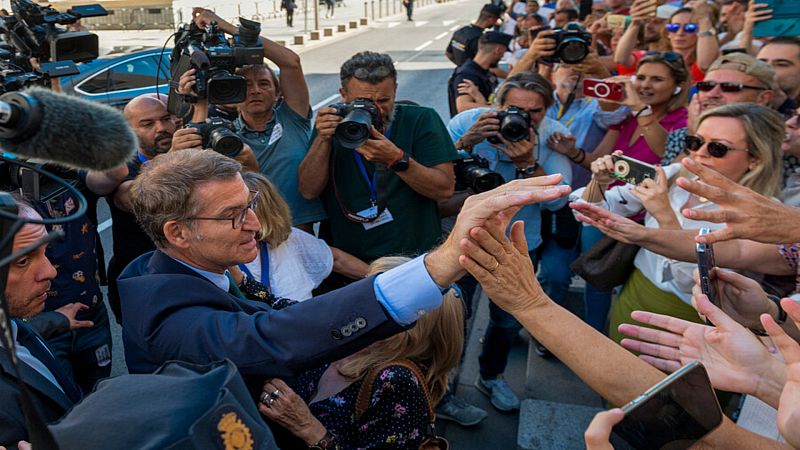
{"type": "Point", "coordinates": [491, 47]}
{"type": "Point", "coordinates": [464, 44]}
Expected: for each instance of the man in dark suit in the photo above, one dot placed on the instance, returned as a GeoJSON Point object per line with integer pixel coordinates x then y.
{"type": "Point", "coordinates": [178, 302]}
{"type": "Point", "coordinates": [52, 391]}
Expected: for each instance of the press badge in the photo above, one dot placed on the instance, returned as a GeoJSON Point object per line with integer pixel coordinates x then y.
{"type": "Point", "coordinates": [277, 133]}
{"type": "Point", "coordinates": [385, 217]}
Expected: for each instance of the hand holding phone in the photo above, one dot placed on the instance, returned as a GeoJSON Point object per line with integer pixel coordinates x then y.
{"type": "Point", "coordinates": [674, 414]}
{"type": "Point", "coordinates": [632, 171]}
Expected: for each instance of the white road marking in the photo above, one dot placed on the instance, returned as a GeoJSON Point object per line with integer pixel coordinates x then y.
{"type": "Point", "coordinates": [441, 35]}
{"type": "Point", "coordinates": [392, 24]}
{"type": "Point", "coordinates": [455, 27]}
{"type": "Point", "coordinates": [424, 44]}
{"type": "Point", "coordinates": [419, 24]}
{"type": "Point", "coordinates": [448, 22]}
{"type": "Point", "coordinates": [325, 102]}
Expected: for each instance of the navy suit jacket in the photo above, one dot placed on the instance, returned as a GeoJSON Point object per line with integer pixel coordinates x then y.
{"type": "Point", "coordinates": [50, 401]}
{"type": "Point", "coordinates": [171, 312]}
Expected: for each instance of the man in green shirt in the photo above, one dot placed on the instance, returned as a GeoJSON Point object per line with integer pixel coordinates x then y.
{"type": "Point", "coordinates": [413, 149]}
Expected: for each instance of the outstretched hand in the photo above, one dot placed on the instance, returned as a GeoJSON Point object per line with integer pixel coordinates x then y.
{"type": "Point", "coordinates": [612, 225]}
{"type": "Point", "coordinates": [734, 358]}
{"type": "Point", "coordinates": [746, 214]}
{"type": "Point", "coordinates": [789, 407]}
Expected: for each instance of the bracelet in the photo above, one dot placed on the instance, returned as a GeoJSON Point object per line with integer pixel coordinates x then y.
{"type": "Point", "coordinates": [581, 154]}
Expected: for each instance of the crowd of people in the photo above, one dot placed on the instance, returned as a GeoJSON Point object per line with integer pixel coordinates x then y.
{"type": "Point", "coordinates": [323, 261]}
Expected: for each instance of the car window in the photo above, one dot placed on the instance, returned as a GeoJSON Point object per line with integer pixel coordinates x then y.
{"type": "Point", "coordinates": [131, 74]}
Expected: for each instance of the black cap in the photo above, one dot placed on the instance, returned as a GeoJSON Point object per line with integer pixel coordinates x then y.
{"type": "Point", "coordinates": [496, 37]}
{"type": "Point", "coordinates": [494, 10]}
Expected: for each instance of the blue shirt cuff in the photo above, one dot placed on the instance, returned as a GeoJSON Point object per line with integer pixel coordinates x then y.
{"type": "Point", "coordinates": [408, 292]}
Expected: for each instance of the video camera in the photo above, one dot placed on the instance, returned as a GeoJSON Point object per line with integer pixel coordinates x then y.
{"type": "Point", "coordinates": [514, 125]}
{"type": "Point", "coordinates": [29, 183]}
{"type": "Point", "coordinates": [359, 115]}
{"type": "Point", "coordinates": [472, 171]}
{"type": "Point", "coordinates": [219, 134]}
{"type": "Point", "coordinates": [215, 59]}
{"type": "Point", "coordinates": [16, 72]}
{"type": "Point", "coordinates": [572, 44]}
{"type": "Point", "coordinates": [33, 33]}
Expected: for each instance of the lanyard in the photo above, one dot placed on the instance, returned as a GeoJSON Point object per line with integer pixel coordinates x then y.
{"type": "Point", "coordinates": [372, 183]}
{"type": "Point", "coordinates": [562, 112]}
{"type": "Point", "coordinates": [264, 266]}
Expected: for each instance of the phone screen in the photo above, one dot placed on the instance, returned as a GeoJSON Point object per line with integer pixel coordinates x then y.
{"type": "Point", "coordinates": [672, 415]}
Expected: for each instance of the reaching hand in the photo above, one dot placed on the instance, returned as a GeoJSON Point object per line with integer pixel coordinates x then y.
{"type": "Point", "coordinates": [735, 359]}
{"type": "Point", "coordinates": [599, 432]}
{"type": "Point", "coordinates": [643, 10]}
{"type": "Point", "coordinates": [562, 143]}
{"type": "Point", "coordinates": [611, 224]}
{"type": "Point", "coordinates": [756, 12]}
{"type": "Point", "coordinates": [740, 297]}
{"type": "Point", "coordinates": [502, 266]}
{"type": "Point", "coordinates": [281, 404]}
{"type": "Point", "coordinates": [602, 168]}
{"type": "Point", "coordinates": [70, 310]}
{"type": "Point", "coordinates": [654, 195]}
{"type": "Point", "coordinates": [746, 214]}
{"type": "Point", "coordinates": [789, 406]}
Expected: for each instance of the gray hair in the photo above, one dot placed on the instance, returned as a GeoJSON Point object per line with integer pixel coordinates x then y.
{"type": "Point", "coordinates": [528, 81]}
{"type": "Point", "coordinates": [165, 188]}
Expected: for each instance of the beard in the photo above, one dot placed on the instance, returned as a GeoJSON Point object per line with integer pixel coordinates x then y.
{"type": "Point", "coordinates": [152, 148]}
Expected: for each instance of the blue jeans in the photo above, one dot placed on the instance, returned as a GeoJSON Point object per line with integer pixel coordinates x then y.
{"type": "Point", "coordinates": [503, 329]}
{"type": "Point", "coordinates": [596, 303]}
{"type": "Point", "coordinates": [85, 353]}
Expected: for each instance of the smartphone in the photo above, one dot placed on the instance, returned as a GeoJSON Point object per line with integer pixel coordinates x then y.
{"type": "Point", "coordinates": [603, 90]}
{"type": "Point", "coordinates": [784, 21]}
{"type": "Point", "coordinates": [618, 21]}
{"type": "Point", "coordinates": [674, 414]}
{"type": "Point", "coordinates": [705, 265]}
{"type": "Point", "coordinates": [632, 171]}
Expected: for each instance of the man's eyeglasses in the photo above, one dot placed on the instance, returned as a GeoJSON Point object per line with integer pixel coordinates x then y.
{"type": "Point", "coordinates": [667, 56]}
{"type": "Point", "coordinates": [687, 27]}
{"type": "Point", "coordinates": [715, 149]}
{"type": "Point", "coordinates": [241, 216]}
{"type": "Point", "coordinates": [725, 86]}
{"type": "Point", "coordinates": [363, 73]}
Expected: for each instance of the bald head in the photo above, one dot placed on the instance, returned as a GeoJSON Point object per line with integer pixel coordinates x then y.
{"type": "Point", "coordinates": [152, 123]}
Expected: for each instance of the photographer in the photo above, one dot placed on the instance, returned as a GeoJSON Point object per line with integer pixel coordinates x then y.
{"type": "Point", "coordinates": [51, 390]}
{"type": "Point", "coordinates": [528, 95]}
{"type": "Point", "coordinates": [274, 119]}
{"type": "Point", "coordinates": [412, 143]}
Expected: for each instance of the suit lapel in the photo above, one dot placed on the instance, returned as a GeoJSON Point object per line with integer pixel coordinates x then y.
{"type": "Point", "coordinates": [34, 380]}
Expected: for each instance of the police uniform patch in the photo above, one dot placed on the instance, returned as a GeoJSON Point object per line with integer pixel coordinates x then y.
{"type": "Point", "coordinates": [234, 433]}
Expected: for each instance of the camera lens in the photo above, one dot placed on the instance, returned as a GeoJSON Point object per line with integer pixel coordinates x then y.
{"type": "Point", "coordinates": [225, 142]}
{"type": "Point", "coordinates": [573, 50]}
{"type": "Point", "coordinates": [354, 129]}
{"type": "Point", "coordinates": [482, 180]}
{"type": "Point", "coordinates": [224, 88]}
{"type": "Point", "coordinates": [515, 128]}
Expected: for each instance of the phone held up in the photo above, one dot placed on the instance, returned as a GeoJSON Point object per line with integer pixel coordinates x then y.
{"type": "Point", "coordinates": [603, 90]}
{"type": "Point", "coordinates": [705, 265]}
{"type": "Point", "coordinates": [674, 414]}
{"type": "Point", "coordinates": [632, 171]}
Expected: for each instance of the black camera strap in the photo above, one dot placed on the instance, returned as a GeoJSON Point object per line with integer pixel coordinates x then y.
{"type": "Point", "coordinates": [377, 188]}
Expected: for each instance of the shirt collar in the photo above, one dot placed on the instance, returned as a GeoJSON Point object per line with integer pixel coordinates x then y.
{"type": "Point", "coordinates": [220, 280]}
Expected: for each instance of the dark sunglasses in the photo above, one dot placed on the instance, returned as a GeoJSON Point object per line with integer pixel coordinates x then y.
{"type": "Point", "coordinates": [715, 149]}
{"type": "Point", "coordinates": [666, 56]}
{"type": "Point", "coordinates": [687, 27]}
{"type": "Point", "coordinates": [725, 86]}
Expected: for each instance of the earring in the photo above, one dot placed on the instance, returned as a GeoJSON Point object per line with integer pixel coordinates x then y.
{"type": "Point", "coordinates": [677, 90]}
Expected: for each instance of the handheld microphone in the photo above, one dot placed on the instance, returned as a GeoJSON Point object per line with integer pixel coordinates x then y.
{"type": "Point", "coordinates": [41, 124]}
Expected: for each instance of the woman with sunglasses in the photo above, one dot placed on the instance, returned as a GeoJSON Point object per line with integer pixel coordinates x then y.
{"type": "Point", "coordinates": [740, 142]}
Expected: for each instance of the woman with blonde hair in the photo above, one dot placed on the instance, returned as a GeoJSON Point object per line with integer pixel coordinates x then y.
{"type": "Point", "coordinates": [291, 262]}
{"type": "Point", "coordinates": [325, 402]}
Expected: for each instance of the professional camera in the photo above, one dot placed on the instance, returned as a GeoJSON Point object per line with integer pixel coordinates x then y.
{"type": "Point", "coordinates": [215, 59]}
{"type": "Point", "coordinates": [473, 172]}
{"type": "Point", "coordinates": [220, 135]}
{"type": "Point", "coordinates": [572, 44]}
{"type": "Point", "coordinates": [514, 125]}
{"type": "Point", "coordinates": [29, 183]}
{"type": "Point", "coordinates": [354, 130]}
{"type": "Point", "coordinates": [32, 31]}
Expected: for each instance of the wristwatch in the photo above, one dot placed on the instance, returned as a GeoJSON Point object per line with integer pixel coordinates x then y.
{"type": "Point", "coordinates": [328, 442]}
{"type": "Point", "coordinates": [400, 164]}
{"type": "Point", "coordinates": [709, 32]}
{"type": "Point", "coordinates": [528, 172]}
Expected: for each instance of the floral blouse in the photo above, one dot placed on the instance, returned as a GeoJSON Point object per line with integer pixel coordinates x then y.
{"type": "Point", "coordinates": [397, 416]}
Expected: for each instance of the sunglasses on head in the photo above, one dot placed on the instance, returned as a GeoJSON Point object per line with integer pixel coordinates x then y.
{"type": "Point", "coordinates": [715, 149]}
{"type": "Point", "coordinates": [725, 86]}
{"type": "Point", "coordinates": [687, 27]}
{"type": "Point", "coordinates": [667, 56]}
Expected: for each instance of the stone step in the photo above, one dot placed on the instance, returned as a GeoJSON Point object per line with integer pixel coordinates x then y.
{"type": "Point", "coordinates": [545, 425]}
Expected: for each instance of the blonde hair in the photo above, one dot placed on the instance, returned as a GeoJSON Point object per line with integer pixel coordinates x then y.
{"type": "Point", "coordinates": [434, 344]}
{"type": "Point", "coordinates": [764, 128]}
{"type": "Point", "coordinates": [272, 210]}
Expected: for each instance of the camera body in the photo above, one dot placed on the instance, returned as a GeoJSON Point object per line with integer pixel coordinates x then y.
{"type": "Point", "coordinates": [358, 116]}
{"type": "Point", "coordinates": [220, 135]}
{"type": "Point", "coordinates": [472, 171]}
{"type": "Point", "coordinates": [572, 44]}
{"type": "Point", "coordinates": [514, 125]}
{"type": "Point", "coordinates": [215, 59]}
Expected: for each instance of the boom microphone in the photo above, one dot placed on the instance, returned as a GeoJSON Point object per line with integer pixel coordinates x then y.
{"type": "Point", "coordinates": [41, 124]}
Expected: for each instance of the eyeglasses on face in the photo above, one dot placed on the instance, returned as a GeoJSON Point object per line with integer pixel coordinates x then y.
{"type": "Point", "coordinates": [363, 73]}
{"type": "Point", "coordinates": [725, 86]}
{"type": "Point", "coordinates": [687, 27]}
{"type": "Point", "coordinates": [241, 216]}
{"type": "Point", "coordinates": [715, 149]}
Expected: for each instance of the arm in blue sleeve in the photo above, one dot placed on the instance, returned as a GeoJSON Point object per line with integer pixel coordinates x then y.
{"type": "Point", "coordinates": [408, 291]}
